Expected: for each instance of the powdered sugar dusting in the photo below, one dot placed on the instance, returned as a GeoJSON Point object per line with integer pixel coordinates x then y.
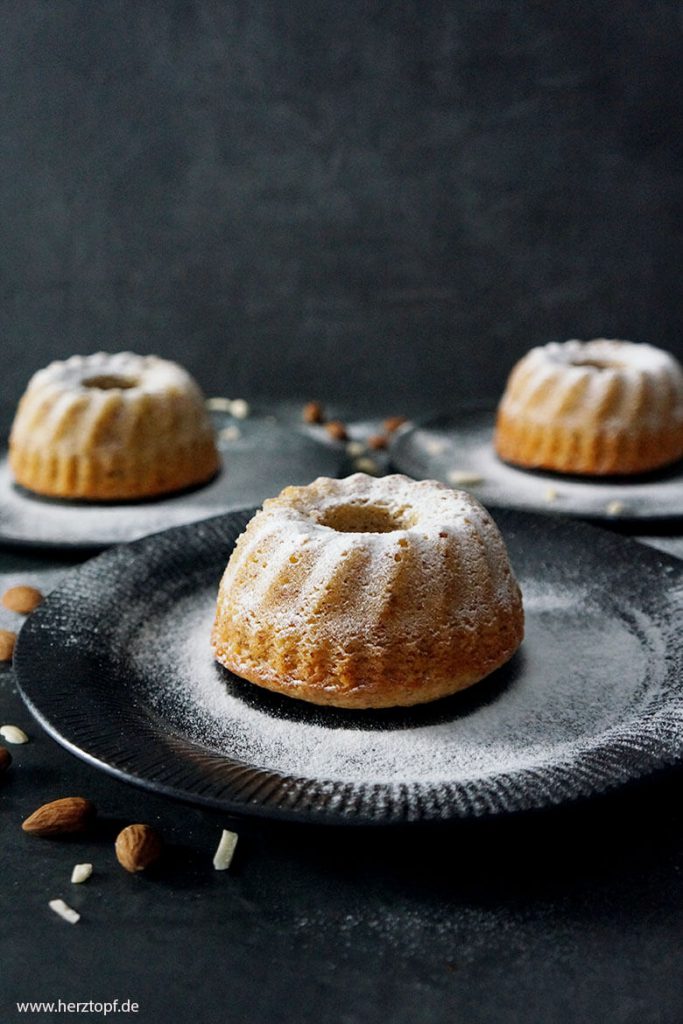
{"type": "Point", "coordinates": [575, 678]}
{"type": "Point", "coordinates": [466, 442]}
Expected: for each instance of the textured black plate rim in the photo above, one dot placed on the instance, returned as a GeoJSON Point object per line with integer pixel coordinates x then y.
{"type": "Point", "coordinates": [626, 753]}
{"type": "Point", "coordinates": [450, 420]}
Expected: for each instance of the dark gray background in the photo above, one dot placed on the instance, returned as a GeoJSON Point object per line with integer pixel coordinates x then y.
{"type": "Point", "coordinates": [337, 199]}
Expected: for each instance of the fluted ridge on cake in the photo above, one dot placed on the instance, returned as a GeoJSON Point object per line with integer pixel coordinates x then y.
{"type": "Point", "coordinates": [421, 604]}
{"type": "Point", "coordinates": [112, 427]}
{"type": "Point", "coordinates": [595, 408]}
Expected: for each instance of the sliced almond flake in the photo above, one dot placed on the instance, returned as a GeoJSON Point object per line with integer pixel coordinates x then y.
{"type": "Point", "coordinates": [13, 734]}
{"type": "Point", "coordinates": [63, 910]}
{"type": "Point", "coordinates": [355, 448]}
{"type": "Point", "coordinates": [615, 508]}
{"type": "Point", "coordinates": [218, 404]}
{"type": "Point", "coordinates": [81, 873]}
{"type": "Point", "coordinates": [239, 408]}
{"type": "Point", "coordinates": [464, 477]}
{"type": "Point", "coordinates": [231, 433]}
{"type": "Point", "coordinates": [225, 851]}
{"type": "Point", "coordinates": [366, 465]}
{"type": "Point", "coordinates": [551, 494]}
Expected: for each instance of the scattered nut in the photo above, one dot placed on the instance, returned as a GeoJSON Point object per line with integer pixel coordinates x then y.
{"type": "Point", "coordinates": [226, 850]}
{"type": "Point", "coordinates": [22, 599]}
{"type": "Point", "coordinates": [13, 734]}
{"type": "Point", "coordinates": [615, 508]}
{"type": "Point", "coordinates": [239, 409]}
{"type": "Point", "coordinates": [60, 817]}
{"type": "Point", "coordinates": [7, 641]}
{"type": "Point", "coordinates": [313, 413]}
{"type": "Point", "coordinates": [5, 760]}
{"type": "Point", "coordinates": [355, 448]}
{"type": "Point", "coordinates": [336, 430]}
{"type": "Point", "coordinates": [231, 433]}
{"type": "Point", "coordinates": [366, 465]}
{"type": "Point", "coordinates": [218, 404]}
{"type": "Point", "coordinates": [394, 422]}
{"type": "Point", "coordinates": [137, 846]}
{"type": "Point", "coordinates": [464, 478]}
{"type": "Point", "coordinates": [435, 445]}
{"type": "Point", "coordinates": [65, 911]}
{"type": "Point", "coordinates": [551, 494]}
{"type": "Point", "coordinates": [377, 442]}
{"type": "Point", "coordinates": [81, 873]}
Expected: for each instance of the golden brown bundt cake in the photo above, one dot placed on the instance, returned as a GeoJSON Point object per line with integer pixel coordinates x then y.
{"type": "Point", "coordinates": [595, 407]}
{"type": "Point", "coordinates": [368, 592]}
{"type": "Point", "coordinates": [112, 427]}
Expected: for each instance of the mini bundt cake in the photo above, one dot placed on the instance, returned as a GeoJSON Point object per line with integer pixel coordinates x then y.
{"type": "Point", "coordinates": [368, 593]}
{"type": "Point", "coordinates": [595, 407]}
{"type": "Point", "coordinates": [112, 427]}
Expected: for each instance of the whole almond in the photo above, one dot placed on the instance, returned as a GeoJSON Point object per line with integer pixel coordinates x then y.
{"type": "Point", "coordinates": [5, 760]}
{"type": "Point", "coordinates": [377, 442]}
{"type": "Point", "coordinates": [7, 642]}
{"type": "Point", "coordinates": [336, 430]}
{"type": "Point", "coordinates": [22, 599]}
{"type": "Point", "coordinates": [392, 423]}
{"type": "Point", "coordinates": [137, 846]}
{"type": "Point", "coordinates": [70, 814]}
{"type": "Point", "coordinates": [313, 413]}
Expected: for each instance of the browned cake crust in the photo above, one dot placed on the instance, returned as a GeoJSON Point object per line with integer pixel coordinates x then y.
{"type": "Point", "coordinates": [595, 408]}
{"type": "Point", "coordinates": [112, 428]}
{"type": "Point", "coordinates": [364, 593]}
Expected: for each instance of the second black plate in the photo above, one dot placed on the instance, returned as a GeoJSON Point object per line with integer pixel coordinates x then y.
{"type": "Point", "coordinates": [458, 450]}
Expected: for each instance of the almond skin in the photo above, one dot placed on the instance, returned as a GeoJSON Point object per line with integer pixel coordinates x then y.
{"type": "Point", "coordinates": [5, 760]}
{"type": "Point", "coordinates": [313, 413]}
{"type": "Point", "coordinates": [137, 846]}
{"type": "Point", "coordinates": [60, 817]}
{"type": "Point", "coordinates": [22, 599]}
{"type": "Point", "coordinates": [7, 642]}
{"type": "Point", "coordinates": [336, 430]}
{"type": "Point", "coordinates": [393, 423]}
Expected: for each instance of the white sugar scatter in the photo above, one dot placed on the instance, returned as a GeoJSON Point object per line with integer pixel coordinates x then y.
{"type": "Point", "coordinates": [574, 683]}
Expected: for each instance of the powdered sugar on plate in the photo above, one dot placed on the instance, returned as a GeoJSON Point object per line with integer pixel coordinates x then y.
{"type": "Point", "coordinates": [265, 458]}
{"type": "Point", "coordinates": [464, 445]}
{"type": "Point", "coordinates": [569, 684]}
{"type": "Point", "coordinates": [117, 664]}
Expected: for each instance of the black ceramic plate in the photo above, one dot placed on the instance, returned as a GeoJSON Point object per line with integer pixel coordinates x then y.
{"type": "Point", "coordinates": [116, 665]}
{"type": "Point", "coordinates": [258, 462]}
{"type": "Point", "coordinates": [458, 450]}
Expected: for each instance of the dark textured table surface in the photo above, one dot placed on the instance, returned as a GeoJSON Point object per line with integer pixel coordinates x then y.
{"type": "Point", "coordinates": [572, 914]}
{"type": "Point", "coordinates": [368, 203]}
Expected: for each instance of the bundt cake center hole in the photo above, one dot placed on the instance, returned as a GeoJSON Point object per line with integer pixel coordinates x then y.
{"type": "Point", "coordinates": [365, 519]}
{"type": "Point", "coordinates": [597, 364]}
{"type": "Point", "coordinates": [110, 382]}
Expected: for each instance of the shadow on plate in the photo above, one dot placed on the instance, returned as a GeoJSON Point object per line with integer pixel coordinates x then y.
{"type": "Point", "coordinates": [154, 499]}
{"type": "Point", "coordinates": [670, 472]}
{"type": "Point", "coordinates": [460, 705]}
